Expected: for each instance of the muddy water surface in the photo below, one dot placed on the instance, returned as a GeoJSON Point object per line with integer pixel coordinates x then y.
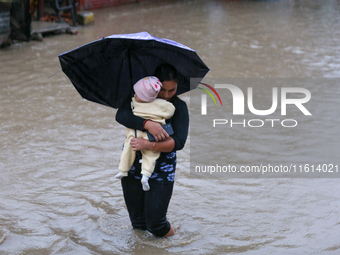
{"type": "Point", "coordinates": [59, 153]}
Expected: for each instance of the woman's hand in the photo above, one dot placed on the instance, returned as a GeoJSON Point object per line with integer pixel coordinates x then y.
{"type": "Point", "coordinates": [138, 144]}
{"type": "Point", "coordinates": [156, 130]}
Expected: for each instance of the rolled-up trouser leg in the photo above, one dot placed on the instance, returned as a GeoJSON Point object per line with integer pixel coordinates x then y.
{"type": "Point", "coordinates": [156, 202]}
{"type": "Point", "coordinates": [147, 210]}
{"type": "Point", "coordinates": [134, 200]}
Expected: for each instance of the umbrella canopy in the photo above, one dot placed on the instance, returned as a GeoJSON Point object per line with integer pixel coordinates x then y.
{"type": "Point", "coordinates": [105, 70]}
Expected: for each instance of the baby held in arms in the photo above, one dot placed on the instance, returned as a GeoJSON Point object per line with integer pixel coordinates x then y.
{"type": "Point", "coordinates": [145, 104]}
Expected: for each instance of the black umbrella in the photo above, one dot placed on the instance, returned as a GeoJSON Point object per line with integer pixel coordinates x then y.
{"type": "Point", "coordinates": [104, 71]}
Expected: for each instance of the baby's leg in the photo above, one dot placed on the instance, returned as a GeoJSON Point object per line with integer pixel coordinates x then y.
{"type": "Point", "coordinates": [148, 166]}
{"type": "Point", "coordinates": [145, 182]}
{"type": "Point", "coordinates": [120, 175]}
{"type": "Point", "coordinates": [128, 156]}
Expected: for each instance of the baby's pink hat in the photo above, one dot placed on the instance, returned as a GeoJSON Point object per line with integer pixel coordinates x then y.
{"type": "Point", "coordinates": [147, 88]}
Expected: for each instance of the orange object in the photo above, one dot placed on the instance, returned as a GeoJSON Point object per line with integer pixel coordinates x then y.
{"type": "Point", "coordinates": [81, 4]}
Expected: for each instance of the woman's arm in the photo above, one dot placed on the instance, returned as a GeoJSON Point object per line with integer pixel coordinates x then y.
{"type": "Point", "coordinates": [167, 145]}
{"type": "Point", "coordinates": [125, 117]}
{"type": "Point", "coordinates": [180, 123]}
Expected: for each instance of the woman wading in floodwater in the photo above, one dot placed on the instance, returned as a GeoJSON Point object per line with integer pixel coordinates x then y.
{"type": "Point", "coordinates": [147, 209]}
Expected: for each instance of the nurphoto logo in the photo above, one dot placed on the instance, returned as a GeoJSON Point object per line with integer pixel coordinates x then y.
{"type": "Point", "coordinates": [238, 107]}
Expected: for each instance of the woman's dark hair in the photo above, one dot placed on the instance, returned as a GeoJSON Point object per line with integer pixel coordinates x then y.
{"type": "Point", "coordinates": [166, 72]}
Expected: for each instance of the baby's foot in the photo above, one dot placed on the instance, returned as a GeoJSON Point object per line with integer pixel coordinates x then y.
{"type": "Point", "coordinates": [145, 183]}
{"type": "Point", "coordinates": [119, 176]}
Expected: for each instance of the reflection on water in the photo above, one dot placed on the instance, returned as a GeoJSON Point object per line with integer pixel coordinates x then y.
{"type": "Point", "coordinates": [59, 152]}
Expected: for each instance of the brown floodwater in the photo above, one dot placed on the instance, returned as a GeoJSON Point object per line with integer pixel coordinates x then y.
{"type": "Point", "coordinates": [59, 153]}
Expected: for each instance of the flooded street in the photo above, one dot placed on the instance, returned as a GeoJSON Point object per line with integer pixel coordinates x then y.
{"type": "Point", "coordinates": [60, 153]}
